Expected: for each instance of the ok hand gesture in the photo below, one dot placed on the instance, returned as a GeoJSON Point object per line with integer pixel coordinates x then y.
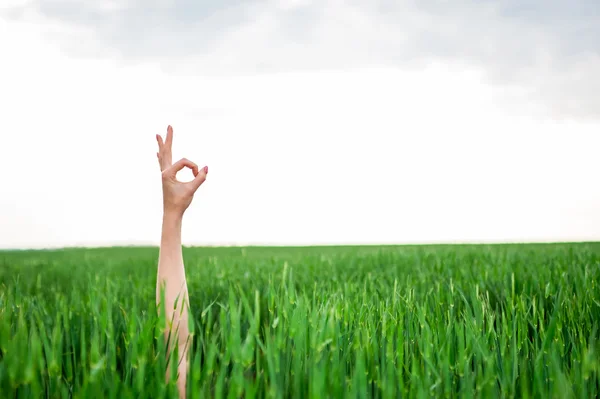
{"type": "Point", "coordinates": [177, 196]}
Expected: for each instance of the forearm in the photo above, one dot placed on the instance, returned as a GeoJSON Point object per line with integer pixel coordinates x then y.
{"type": "Point", "coordinates": [171, 272]}
{"type": "Point", "coordinates": [172, 287]}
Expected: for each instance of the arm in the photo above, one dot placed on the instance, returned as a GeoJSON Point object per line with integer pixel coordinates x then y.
{"type": "Point", "coordinates": [177, 196]}
{"type": "Point", "coordinates": [171, 279]}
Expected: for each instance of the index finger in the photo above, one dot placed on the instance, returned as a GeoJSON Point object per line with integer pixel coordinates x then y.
{"type": "Point", "coordinates": [182, 163]}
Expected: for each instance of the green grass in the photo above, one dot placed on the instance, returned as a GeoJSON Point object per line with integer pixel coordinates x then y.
{"type": "Point", "coordinates": [384, 322]}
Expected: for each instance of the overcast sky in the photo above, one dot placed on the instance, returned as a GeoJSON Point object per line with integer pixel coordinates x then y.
{"type": "Point", "coordinates": [321, 121]}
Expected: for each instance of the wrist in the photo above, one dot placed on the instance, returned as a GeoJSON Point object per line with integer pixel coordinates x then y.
{"type": "Point", "coordinates": [171, 230]}
{"type": "Point", "coordinates": [172, 215]}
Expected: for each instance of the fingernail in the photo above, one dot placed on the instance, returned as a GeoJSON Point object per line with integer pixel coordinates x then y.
{"type": "Point", "coordinates": [206, 169]}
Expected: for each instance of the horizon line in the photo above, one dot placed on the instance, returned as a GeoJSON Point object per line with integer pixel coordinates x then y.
{"type": "Point", "coordinates": [305, 245]}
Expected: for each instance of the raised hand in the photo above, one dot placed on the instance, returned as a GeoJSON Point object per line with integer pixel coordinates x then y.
{"type": "Point", "coordinates": [177, 196]}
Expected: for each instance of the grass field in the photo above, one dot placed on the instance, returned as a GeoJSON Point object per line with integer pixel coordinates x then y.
{"type": "Point", "coordinates": [387, 322]}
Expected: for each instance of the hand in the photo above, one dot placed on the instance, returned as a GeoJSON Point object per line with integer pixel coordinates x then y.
{"type": "Point", "coordinates": [177, 196]}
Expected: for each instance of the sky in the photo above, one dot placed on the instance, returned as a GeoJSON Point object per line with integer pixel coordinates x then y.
{"type": "Point", "coordinates": [322, 122]}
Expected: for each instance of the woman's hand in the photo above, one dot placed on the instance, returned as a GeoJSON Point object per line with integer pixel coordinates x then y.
{"type": "Point", "coordinates": [177, 196]}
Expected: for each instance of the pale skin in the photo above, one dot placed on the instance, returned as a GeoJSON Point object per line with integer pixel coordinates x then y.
{"type": "Point", "coordinates": [177, 197]}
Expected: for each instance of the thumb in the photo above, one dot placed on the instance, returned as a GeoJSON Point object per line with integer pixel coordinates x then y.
{"type": "Point", "coordinates": [200, 178]}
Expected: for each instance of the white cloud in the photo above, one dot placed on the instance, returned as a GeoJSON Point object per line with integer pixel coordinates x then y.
{"type": "Point", "coordinates": [551, 49]}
